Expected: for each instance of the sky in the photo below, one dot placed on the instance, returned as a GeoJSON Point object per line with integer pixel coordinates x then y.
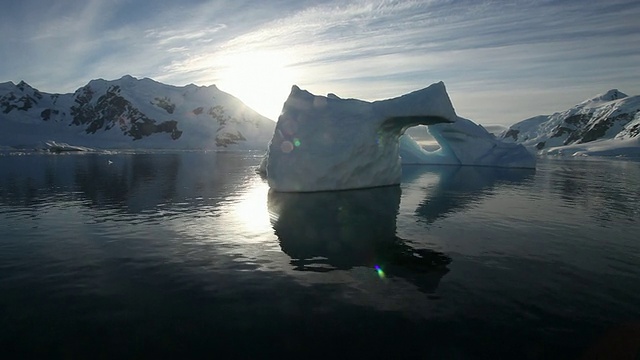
{"type": "Point", "coordinates": [501, 61]}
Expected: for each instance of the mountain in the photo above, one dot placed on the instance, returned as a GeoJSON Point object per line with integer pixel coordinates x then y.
{"type": "Point", "coordinates": [607, 124]}
{"type": "Point", "coordinates": [130, 113]}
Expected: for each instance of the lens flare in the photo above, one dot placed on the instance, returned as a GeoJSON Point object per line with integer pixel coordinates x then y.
{"type": "Point", "coordinates": [286, 147]}
{"type": "Point", "coordinates": [379, 271]}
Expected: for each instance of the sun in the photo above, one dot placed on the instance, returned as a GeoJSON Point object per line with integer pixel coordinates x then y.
{"type": "Point", "coordinates": [261, 79]}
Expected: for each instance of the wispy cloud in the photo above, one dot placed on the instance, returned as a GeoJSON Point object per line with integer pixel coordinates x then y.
{"type": "Point", "coordinates": [169, 36]}
{"type": "Point", "coordinates": [375, 49]}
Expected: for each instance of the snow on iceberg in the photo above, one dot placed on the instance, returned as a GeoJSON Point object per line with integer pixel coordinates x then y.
{"type": "Point", "coordinates": [328, 143]}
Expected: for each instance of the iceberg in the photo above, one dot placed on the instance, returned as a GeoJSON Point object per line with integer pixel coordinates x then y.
{"type": "Point", "coordinates": [324, 143]}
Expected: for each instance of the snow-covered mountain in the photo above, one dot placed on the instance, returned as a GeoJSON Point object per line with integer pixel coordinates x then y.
{"type": "Point", "coordinates": [607, 124]}
{"type": "Point", "coordinates": [130, 113]}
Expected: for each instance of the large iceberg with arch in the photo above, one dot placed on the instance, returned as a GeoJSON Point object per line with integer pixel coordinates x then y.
{"type": "Point", "coordinates": [324, 143]}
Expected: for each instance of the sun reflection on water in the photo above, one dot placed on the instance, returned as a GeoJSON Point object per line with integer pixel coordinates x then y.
{"type": "Point", "coordinates": [249, 210]}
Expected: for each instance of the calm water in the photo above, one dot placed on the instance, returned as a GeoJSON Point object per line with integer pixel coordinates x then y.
{"type": "Point", "coordinates": [189, 255]}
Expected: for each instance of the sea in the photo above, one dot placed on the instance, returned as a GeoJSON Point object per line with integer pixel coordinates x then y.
{"type": "Point", "coordinates": [189, 255]}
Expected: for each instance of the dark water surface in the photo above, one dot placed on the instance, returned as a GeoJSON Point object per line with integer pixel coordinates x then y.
{"type": "Point", "coordinates": [185, 255]}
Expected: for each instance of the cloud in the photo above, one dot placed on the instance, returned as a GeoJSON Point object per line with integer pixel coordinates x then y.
{"type": "Point", "coordinates": [372, 50]}
{"type": "Point", "coordinates": [552, 53]}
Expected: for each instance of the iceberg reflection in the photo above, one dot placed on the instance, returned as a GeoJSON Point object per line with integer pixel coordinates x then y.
{"type": "Point", "coordinates": [341, 230]}
{"type": "Point", "coordinates": [458, 187]}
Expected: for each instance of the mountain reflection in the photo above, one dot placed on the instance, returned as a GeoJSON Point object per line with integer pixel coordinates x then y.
{"type": "Point", "coordinates": [133, 183]}
{"type": "Point", "coordinates": [340, 230]}
{"type": "Point", "coordinates": [130, 183]}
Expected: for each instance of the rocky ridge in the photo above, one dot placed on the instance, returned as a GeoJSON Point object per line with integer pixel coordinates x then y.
{"type": "Point", "coordinates": [130, 113]}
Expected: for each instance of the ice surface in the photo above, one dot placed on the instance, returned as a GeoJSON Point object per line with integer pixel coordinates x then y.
{"type": "Point", "coordinates": [623, 148]}
{"type": "Point", "coordinates": [328, 143]}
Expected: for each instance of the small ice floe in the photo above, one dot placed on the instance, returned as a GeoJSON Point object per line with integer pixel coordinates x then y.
{"type": "Point", "coordinates": [56, 147]}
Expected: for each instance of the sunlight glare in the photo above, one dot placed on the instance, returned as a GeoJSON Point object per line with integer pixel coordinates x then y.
{"type": "Point", "coordinates": [261, 79]}
{"type": "Point", "coordinates": [250, 210]}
